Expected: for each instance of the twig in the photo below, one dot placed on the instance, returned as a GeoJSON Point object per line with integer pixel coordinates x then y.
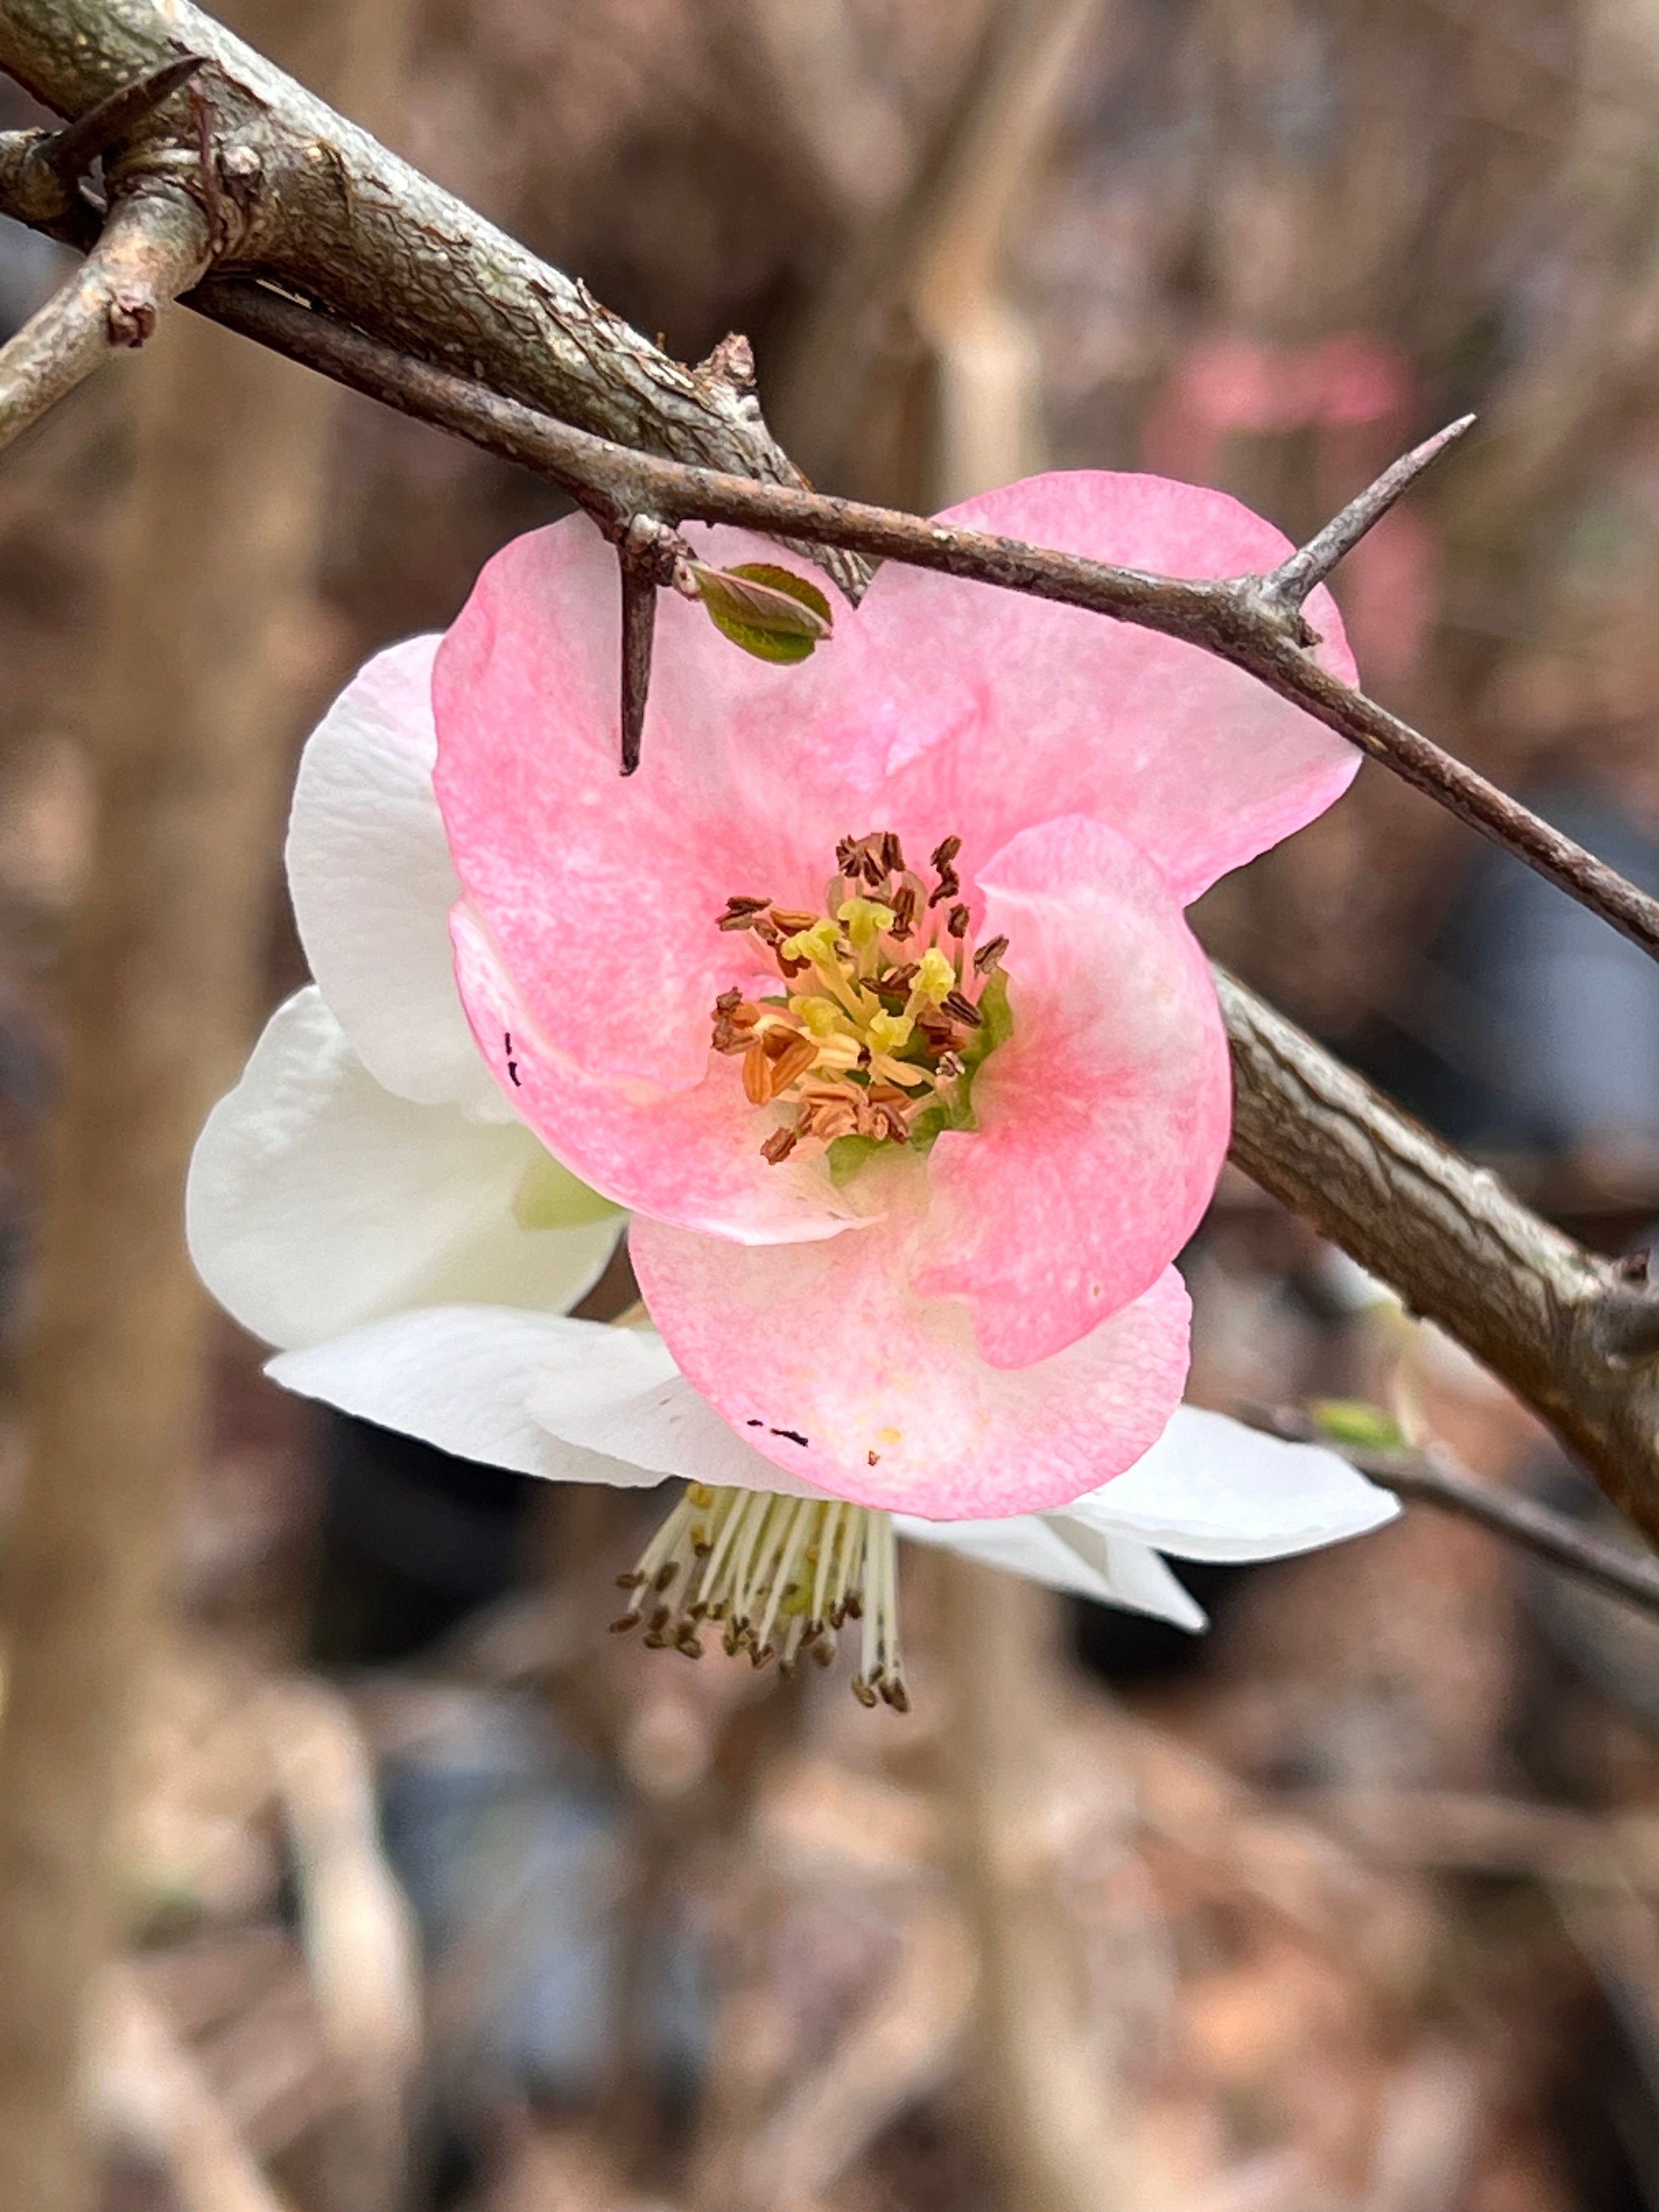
{"type": "Point", "coordinates": [149, 2094]}
{"type": "Point", "coordinates": [1293, 580]}
{"type": "Point", "coordinates": [362, 1944]}
{"type": "Point", "coordinates": [1431, 1477]}
{"type": "Point", "coordinates": [153, 247]}
{"type": "Point", "coordinates": [900, 2049]}
{"type": "Point", "coordinates": [1234, 618]}
{"type": "Point", "coordinates": [1455, 1244]}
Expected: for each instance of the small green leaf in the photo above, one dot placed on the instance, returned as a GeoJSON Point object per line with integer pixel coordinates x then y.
{"type": "Point", "coordinates": [769, 611]}
{"type": "Point", "coordinates": [1354, 1421]}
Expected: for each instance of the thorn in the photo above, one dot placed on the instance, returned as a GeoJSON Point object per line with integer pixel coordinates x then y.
{"type": "Point", "coordinates": [639, 623]}
{"type": "Point", "coordinates": [73, 149]}
{"type": "Point", "coordinates": [1292, 581]}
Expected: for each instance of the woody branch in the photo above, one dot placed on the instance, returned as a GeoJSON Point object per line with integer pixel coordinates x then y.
{"type": "Point", "coordinates": [418, 301]}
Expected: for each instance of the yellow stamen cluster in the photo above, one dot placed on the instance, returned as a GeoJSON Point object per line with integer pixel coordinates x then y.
{"type": "Point", "coordinates": [781, 1574]}
{"type": "Point", "coordinates": [882, 1003]}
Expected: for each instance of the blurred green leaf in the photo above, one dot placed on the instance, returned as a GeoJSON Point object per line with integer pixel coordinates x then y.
{"type": "Point", "coordinates": [1354, 1421]}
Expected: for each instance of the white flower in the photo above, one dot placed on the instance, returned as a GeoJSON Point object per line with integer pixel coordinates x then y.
{"type": "Point", "coordinates": [366, 1200]}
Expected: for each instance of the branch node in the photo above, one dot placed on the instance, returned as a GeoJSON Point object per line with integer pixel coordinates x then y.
{"type": "Point", "coordinates": [131, 317]}
{"type": "Point", "coordinates": [1290, 584]}
{"type": "Point", "coordinates": [154, 245]}
{"type": "Point", "coordinates": [732, 361]}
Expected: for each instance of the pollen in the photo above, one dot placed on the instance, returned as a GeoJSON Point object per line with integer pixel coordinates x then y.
{"type": "Point", "coordinates": [891, 1010]}
{"type": "Point", "coordinates": [779, 1577]}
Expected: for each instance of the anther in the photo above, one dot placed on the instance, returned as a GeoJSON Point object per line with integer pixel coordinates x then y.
{"type": "Point", "coordinates": [858, 1046]}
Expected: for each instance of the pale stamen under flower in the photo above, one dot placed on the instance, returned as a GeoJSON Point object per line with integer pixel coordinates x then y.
{"type": "Point", "coordinates": [885, 1016]}
{"type": "Point", "coordinates": [781, 1575]}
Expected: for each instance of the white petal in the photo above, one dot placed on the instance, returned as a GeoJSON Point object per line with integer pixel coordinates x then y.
{"type": "Point", "coordinates": [372, 882]}
{"type": "Point", "coordinates": [1210, 1488]}
{"type": "Point", "coordinates": [461, 1377]}
{"type": "Point", "coordinates": [665, 1425]}
{"type": "Point", "coordinates": [1112, 1570]}
{"type": "Point", "coordinates": [317, 1200]}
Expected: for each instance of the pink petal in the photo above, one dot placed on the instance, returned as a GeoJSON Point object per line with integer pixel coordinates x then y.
{"type": "Point", "coordinates": [1103, 1121]}
{"type": "Point", "coordinates": [822, 1358]}
{"type": "Point", "coordinates": [692, 1155]}
{"type": "Point", "coordinates": [999, 711]}
{"type": "Point", "coordinates": [602, 893]}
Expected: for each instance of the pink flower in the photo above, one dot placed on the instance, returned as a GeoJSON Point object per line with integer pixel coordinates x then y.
{"type": "Point", "coordinates": [871, 994]}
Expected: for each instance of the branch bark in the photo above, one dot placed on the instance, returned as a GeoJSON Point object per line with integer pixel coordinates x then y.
{"type": "Point", "coordinates": [1457, 1245]}
{"type": "Point", "coordinates": [155, 245]}
{"type": "Point", "coordinates": [312, 200]}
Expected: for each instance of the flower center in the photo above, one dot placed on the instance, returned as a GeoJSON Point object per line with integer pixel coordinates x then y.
{"type": "Point", "coordinates": [889, 1008]}
{"type": "Point", "coordinates": [782, 1574]}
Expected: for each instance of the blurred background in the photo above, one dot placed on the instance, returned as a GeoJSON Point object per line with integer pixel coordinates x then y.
{"type": "Point", "coordinates": [438, 1896]}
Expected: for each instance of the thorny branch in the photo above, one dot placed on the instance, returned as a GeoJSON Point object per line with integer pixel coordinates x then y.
{"type": "Point", "coordinates": [1247, 620]}
{"type": "Point", "coordinates": [439, 315]}
{"type": "Point", "coordinates": [312, 200]}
